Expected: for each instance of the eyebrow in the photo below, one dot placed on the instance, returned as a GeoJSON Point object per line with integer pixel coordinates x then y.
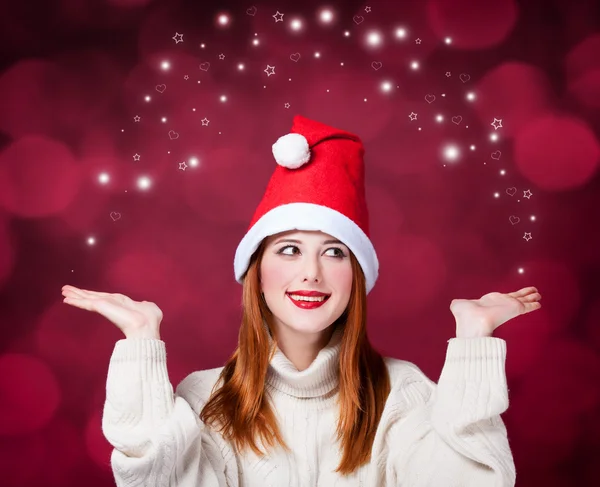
{"type": "Point", "coordinates": [289, 240]}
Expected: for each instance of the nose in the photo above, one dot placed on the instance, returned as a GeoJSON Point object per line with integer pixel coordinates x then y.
{"type": "Point", "coordinates": [312, 270]}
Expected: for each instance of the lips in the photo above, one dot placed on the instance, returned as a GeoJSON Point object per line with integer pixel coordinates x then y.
{"type": "Point", "coordinates": [308, 304]}
{"type": "Point", "coordinates": [311, 294]}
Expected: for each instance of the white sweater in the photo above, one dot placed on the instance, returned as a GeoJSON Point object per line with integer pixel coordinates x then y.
{"type": "Point", "coordinates": [446, 435]}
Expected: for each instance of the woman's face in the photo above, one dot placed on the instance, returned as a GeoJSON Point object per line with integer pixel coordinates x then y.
{"type": "Point", "coordinates": [305, 261]}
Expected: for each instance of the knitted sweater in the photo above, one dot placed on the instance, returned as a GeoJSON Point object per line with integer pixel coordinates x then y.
{"type": "Point", "coordinates": [449, 434]}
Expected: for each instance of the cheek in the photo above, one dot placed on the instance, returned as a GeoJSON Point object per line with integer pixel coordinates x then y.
{"type": "Point", "coordinates": [341, 278]}
{"type": "Point", "coordinates": [274, 275]}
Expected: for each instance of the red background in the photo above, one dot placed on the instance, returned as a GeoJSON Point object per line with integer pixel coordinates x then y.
{"type": "Point", "coordinates": [75, 74]}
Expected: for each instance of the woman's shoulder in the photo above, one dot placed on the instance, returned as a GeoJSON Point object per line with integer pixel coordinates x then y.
{"type": "Point", "coordinates": [408, 378]}
{"type": "Point", "coordinates": [197, 387]}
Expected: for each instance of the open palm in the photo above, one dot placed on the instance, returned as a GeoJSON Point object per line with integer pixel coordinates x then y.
{"type": "Point", "coordinates": [480, 317]}
{"type": "Point", "coordinates": [139, 318]}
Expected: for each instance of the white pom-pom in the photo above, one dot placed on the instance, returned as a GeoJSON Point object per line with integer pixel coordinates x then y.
{"type": "Point", "coordinates": [291, 151]}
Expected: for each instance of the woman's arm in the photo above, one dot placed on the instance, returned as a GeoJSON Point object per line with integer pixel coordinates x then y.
{"type": "Point", "coordinates": [157, 436]}
{"type": "Point", "coordinates": [456, 436]}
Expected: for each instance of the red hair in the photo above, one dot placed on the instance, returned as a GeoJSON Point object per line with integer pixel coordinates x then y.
{"type": "Point", "coordinates": [238, 407]}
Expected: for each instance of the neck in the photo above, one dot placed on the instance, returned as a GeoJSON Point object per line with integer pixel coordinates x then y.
{"type": "Point", "coordinates": [301, 349]}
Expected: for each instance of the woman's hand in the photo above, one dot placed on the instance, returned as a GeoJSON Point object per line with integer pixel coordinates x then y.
{"type": "Point", "coordinates": [135, 319]}
{"type": "Point", "coordinates": [480, 317]}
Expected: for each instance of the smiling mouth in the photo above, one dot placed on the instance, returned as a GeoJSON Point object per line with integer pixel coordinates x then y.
{"type": "Point", "coordinates": [308, 299]}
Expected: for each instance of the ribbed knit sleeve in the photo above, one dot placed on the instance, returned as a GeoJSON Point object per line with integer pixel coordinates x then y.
{"type": "Point", "coordinates": [158, 438]}
{"type": "Point", "coordinates": [455, 436]}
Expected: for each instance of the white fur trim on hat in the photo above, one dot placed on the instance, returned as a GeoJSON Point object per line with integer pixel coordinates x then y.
{"type": "Point", "coordinates": [309, 217]}
{"type": "Point", "coordinates": [291, 151]}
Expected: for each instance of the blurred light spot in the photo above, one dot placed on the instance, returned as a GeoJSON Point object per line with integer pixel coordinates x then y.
{"type": "Point", "coordinates": [144, 183]}
{"type": "Point", "coordinates": [374, 39]}
{"type": "Point", "coordinates": [400, 33]}
{"type": "Point", "coordinates": [326, 16]}
{"type": "Point", "coordinates": [451, 153]}
{"type": "Point", "coordinates": [103, 178]}
{"type": "Point", "coordinates": [223, 19]}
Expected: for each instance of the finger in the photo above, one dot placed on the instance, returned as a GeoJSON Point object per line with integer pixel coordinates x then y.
{"type": "Point", "coordinates": [79, 303]}
{"type": "Point", "coordinates": [529, 307]}
{"type": "Point", "coordinates": [531, 297]}
{"type": "Point", "coordinates": [523, 292]}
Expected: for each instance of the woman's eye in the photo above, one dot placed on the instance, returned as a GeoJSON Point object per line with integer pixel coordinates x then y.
{"type": "Point", "coordinates": [337, 252]}
{"type": "Point", "coordinates": [281, 251]}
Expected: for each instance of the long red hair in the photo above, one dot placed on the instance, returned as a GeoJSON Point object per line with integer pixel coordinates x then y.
{"type": "Point", "coordinates": [239, 409]}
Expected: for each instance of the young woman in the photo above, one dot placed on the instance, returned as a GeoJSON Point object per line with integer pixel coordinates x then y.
{"type": "Point", "coordinates": [305, 400]}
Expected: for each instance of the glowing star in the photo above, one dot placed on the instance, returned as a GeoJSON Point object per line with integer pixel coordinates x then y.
{"type": "Point", "coordinates": [448, 74]}
{"type": "Point", "coordinates": [287, 105]}
{"type": "Point", "coordinates": [221, 56]}
{"type": "Point", "coordinates": [270, 70]}
{"type": "Point", "coordinates": [412, 116]}
{"type": "Point", "coordinates": [527, 194]}
{"type": "Point", "coordinates": [367, 9]}
{"type": "Point", "coordinates": [186, 77]}
{"type": "Point", "coordinates": [527, 236]}
{"type": "Point", "coordinates": [205, 121]}
{"type": "Point", "coordinates": [136, 157]}
{"type": "Point", "coordinates": [137, 118]}
{"type": "Point", "coordinates": [417, 41]}
{"type": "Point", "coordinates": [177, 38]}
{"type": "Point", "coordinates": [497, 123]}
{"type": "Point", "coordinates": [278, 17]}
{"type": "Point", "coordinates": [182, 165]}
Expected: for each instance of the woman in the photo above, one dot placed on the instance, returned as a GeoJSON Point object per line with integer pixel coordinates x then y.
{"type": "Point", "coordinates": [305, 400]}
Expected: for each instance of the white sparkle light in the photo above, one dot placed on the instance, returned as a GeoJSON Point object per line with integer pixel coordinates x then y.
{"type": "Point", "coordinates": [494, 137]}
{"type": "Point", "coordinates": [374, 38]}
{"type": "Point", "coordinates": [386, 86]}
{"type": "Point", "coordinates": [448, 40]}
{"type": "Point", "coordinates": [202, 45]}
{"type": "Point", "coordinates": [163, 119]}
{"type": "Point", "coordinates": [144, 183]}
{"type": "Point", "coordinates": [223, 19]}
{"type": "Point", "coordinates": [451, 153]}
{"type": "Point", "coordinates": [103, 178]}
{"type": "Point", "coordinates": [502, 172]}
{"type": "Point", "coordinates": [326, 16]}
{"type": "Point", "coordinates": [532, 218]}
{"type": "Point", "coordinates": [223, 98]}
{"type": "Point", "coordinates": [147, 98]}
{"type": "Point", "coordinates": [439, 118]}
{"type": "Point", "coordinates": [241, 67]}
{"type": "Point", "coordinates": [194, 162]}
{"type": "Point", "coordinates": [521, 270]}
{"type": "Point", "coordinates": [400, 33]}
{"type": "Point", "coordinates": [496, 195]}
{"type": "Point", "coordinates": [317, 54]}
{"type": "Point", "coordinates": [414, 65]}
{"type": "Point", "coordinates": [255, 42]}
{"type": "Point", "coordinates": [472, 147]}
{"type": "Point", "coordinates": [347, 33]}
{"type": "Point", "coordinates": [91, 241]}
{"type": "Point", "coordinates": [296, 24]}
{"type": "Point", "coordinates": [471, 96]}
{"type": "Point", "coordinates": [165, 65]}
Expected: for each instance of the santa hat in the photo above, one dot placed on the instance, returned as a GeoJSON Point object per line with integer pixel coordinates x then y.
{"type": "Point", "coordinates": [318, 185]}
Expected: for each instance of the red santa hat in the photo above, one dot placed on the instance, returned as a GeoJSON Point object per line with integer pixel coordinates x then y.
{"type": "Point", "coordinates": [318, 185]}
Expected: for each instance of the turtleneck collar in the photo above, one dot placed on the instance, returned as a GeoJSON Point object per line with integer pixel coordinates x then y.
{"type": "Point", "coordinates": [319, 379]}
